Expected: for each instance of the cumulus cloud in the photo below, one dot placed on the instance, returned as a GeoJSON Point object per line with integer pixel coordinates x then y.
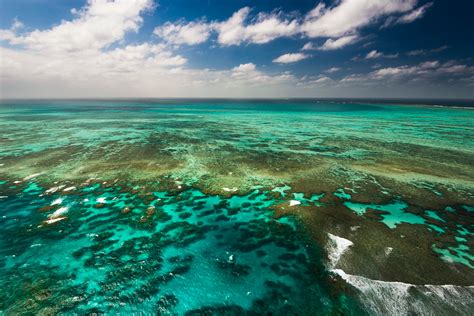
{"type": "Point", "coordinates": [49, 62]}
{"type": "Point", "coordinates": [408, 17]}
{"type": "Point", "coordinates": [97, 25]}
{"type": "Point", "coordinates": [88, 56]}
{"type": "Point", "coordinates": [191, 33]}
{"type": "Point", "coordinates": [290, 58]}
{"type": "Point", "coordinates": [350, 15]}
{"type": "Point", "coordinates": [265, 28]}
{"type": "Point", "coordinates": [339, 23]}
{"type": "Point", "coordinates": [332, 44]}
{"type": "Point", "coordinates": [244, 68]}
{"type": "Point", "coordinates": [78, 52]}
{"type": "Point", "coordinates": [249, 74]}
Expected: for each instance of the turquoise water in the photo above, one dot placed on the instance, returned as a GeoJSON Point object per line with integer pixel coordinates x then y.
{"type": "Point", "coordinates": [224, 207]}
{"type": "Point", "coordinates": [174, 252]}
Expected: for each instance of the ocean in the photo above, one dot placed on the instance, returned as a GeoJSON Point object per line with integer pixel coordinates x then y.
{"type": "Point", "coordinates": [237, 207]}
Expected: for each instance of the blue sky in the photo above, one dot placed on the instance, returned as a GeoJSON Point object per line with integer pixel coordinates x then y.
{"type": "Point", "coordinates": [236, 48]}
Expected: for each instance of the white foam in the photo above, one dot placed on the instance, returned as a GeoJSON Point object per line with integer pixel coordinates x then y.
{"type": "Point", "coordinates": [294, 202]}
{"type": "Point", "coordinates": [336, 248]}
{"type": "Point", "coordinates": [101, 200]}
{"type": "Point", "coordinates": [57, 202]}
{"type": "Point", "coordinates": [69, 189]}
{"type": "Point", "coordinates": [54, 189]}
{"type": "Point", "coordinates": [3, 197]}
{"type": "Point", "coordinates": [54, 220]}
{"type": "Point", "coordinates": [399, 298]}
{"type": "Point", "coordinates": [234, 189]}
{"type": "Point", "coordinates": [60, 211]}
{"type": "Point", "coordinates": [32, 176]}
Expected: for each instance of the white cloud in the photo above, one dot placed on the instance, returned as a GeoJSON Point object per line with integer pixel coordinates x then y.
{"type": "Point", "coordinates": [290, 58]}
{"type": "Point", "coordinates": [332, 44]}
{"type": "Point", "coordinates": [376, 54]}
{"type": "Point", "coordinates": [322, 80]}
{"type": "Point", "coordinates": [88, 56]}
{"type": "Point", "coordinates": [309, 46]}
{"type": "Point", "coordinates": [316, 81]}
{"type": "Point", "coordinates": [97, 25]}
{"type": "Point", "coordinates": [191, 33]}
{"type": "Point", "coordinates": [9, 35]}
{"type": "Point", "coordinates": [373, 54]}
{"type": "Point", "coordinates": [415, 14]}
{"type": "Point", "coordinates": [425, 71]}
{"type": "Point", "coordinates": [350, 15]}
{"type": "Point", "coordinates": [231, 32]}
{"type": "Point", "coordinates": [77, 53]}
{"type": "Point", "coordinates": [244, 68]}
{"type": "Point", "coordinates": [340, 23]}
{"type": "Point", "coordinates": [332, 70]}
{"type": "Point", "coordinates": [408, 17]}
{"type": "Point", "coordinates": [265, 28]}
{"type": "Point", "coordinates": [17, 25]}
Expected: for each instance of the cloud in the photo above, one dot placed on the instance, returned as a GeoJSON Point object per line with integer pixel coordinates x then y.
{"type": "Point", "coordinates": [244, 68]}
{"type": "Point", "coordinates": [191, 33]}
{"type": "Point", "coordinates": [408, 17]}
{"type": "Point", "coordinates": [17, 25]}
{"type": "Point", "coordinates": [9, 35]}
{"type": "Point", "coordinates": [77, 53]}
{"type": "Point", "coordinates": [425, 71]}
{"type": "Point", "coordinates": [422, 52]}
{"type": "Point", "coordinates": [309, 46]}
{"type": "Point", "coordinates": [316, 81]}
{"type": "Point", "coordinates": [290, 58]}
{"type": "Point", "coordinates": [99, 24]}
{"type": "Point", "coordinates": [265, 28]}
{"type": "Point", "coordinates": [89, 56]}
{"type": "Point", "coordinates": [415, 14]}
{"type": "Point", "coordinates": [350, 15]}
{"type": "Point", "coordinates": [332, 44]}
{"type": "Point", "coordinates": [332, 70]}
{"type": "Point", "coordinates": [374, 54]}
{"type": "Point", "coordinates": [245, 74]}
{"type": "Point", "coordinates": [339, 23]}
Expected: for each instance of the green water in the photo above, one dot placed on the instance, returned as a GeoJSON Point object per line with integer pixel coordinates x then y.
{"type": "Point", "coordinates": [214, 207]}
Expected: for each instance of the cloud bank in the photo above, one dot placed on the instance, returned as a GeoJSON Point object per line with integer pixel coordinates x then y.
{"type": "Point", "coordinates": [89, 56]}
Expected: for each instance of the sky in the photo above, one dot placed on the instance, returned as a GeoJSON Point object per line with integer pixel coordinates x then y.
{"type": "Point", "coordinates": [236, 48]}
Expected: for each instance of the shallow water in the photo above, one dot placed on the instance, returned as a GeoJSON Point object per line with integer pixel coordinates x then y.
{"type": "Point", "coordinates": [225, 207]}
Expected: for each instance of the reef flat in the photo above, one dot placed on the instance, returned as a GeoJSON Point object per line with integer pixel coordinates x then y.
{"type": "Point", "coordinates": [224, 207]}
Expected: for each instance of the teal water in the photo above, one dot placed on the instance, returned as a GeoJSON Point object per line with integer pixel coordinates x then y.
{"type": "Point", "coordinates": [169, 252]}
{"type": "Point", "coordinates": [213, 207]}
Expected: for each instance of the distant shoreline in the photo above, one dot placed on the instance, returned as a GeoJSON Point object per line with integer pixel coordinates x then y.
{"type": "Point", "coordinates": [451, 103]}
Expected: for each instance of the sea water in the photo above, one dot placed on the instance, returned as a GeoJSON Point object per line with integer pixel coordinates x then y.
{"type": "Point", "coordinates": [170, 206]}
